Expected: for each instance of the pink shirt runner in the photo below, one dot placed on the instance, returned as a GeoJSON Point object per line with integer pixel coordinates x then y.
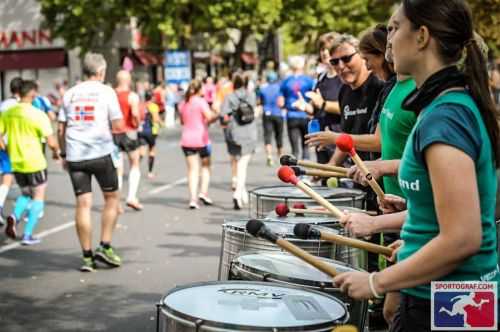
{"type": "Point", "coordinates": [195, 126]}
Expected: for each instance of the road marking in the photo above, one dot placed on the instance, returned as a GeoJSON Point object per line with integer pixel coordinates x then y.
{"type": "Point", "coordinates": [69, 224]}
{"type": "Point", "coordinates": [167, 186]}
{"type": "Point", "coordinates": [40, 235]}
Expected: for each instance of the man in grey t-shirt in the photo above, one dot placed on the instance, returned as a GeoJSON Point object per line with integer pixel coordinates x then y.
{"type": "Point", "coordinates": [87, 149]}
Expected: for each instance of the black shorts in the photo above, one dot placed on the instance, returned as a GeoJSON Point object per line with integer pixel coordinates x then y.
{"type": "Point", "coordinates": [273, 124]}
{"type": "Point", "coordinates": [204, 152]}
{"type": "Point", "coordinates": [102, 168]}
{"type": "Point", "coordinates": [126, 142]}
{"type": "Point", "coordinates": [31, 179]}
{"type": "Point", "coordinates": [147, 139]}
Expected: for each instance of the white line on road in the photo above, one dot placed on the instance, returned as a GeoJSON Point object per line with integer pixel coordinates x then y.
{"type": "Point", "coordinates": [40, 235]}
{"type": "Point", "coordinates": [167, 186]}
{"type": "Point", "coordinates": [69, 224]}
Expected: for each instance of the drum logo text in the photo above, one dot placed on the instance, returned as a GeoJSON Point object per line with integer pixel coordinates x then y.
{"type": "Point", "coordinates": [252, 293]}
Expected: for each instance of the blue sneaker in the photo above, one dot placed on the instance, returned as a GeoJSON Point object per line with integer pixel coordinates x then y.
{"type": "Point", "coordinates": [29, 240]}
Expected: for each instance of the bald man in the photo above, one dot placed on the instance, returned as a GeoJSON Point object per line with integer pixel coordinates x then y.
{"type": "Point", "coordinates": [126, 138]}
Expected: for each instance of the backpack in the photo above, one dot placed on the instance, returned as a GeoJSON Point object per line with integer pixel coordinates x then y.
{"type": "Point", "coordinates": [244, 113]}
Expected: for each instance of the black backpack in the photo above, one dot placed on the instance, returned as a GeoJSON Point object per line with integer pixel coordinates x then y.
{"type": "Point", "coordinates": [244, 114]}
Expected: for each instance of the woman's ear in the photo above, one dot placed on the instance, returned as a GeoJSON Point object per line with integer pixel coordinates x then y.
{"type": "Point", "coordinates": [423, 37]}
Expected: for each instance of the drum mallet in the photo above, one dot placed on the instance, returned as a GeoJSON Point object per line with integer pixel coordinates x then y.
{"type": "Point", "coordinates": [282, 210]}
{"type": "Point", "coordinates": [346, 144]}
{"type": "Point", "coordinates": [288, 160]}
{"type": "Point", "coordinates": [320, 173]}
{"type": "Point", "coordinates": [306, 232]}
{"type": "Point", "coordinates": [258, 229]}
{"type": "Point", "coordinates": [287, 175]}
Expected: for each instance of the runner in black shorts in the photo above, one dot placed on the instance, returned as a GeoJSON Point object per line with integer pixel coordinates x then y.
{"type": "Point", "coordinates": [87, 148]}
{"type": "Point", "coordinates": [204, 152]}
{"type": "Point", "coordinates": [149, 133]}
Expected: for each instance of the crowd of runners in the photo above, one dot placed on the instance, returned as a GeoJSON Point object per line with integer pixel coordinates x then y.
{"type": "Point", "coordinates": [374, 87]}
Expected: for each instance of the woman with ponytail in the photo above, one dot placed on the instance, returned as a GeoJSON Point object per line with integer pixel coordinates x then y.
{"type": "Point", "coordinates": [447, 172]}
{"type": "Point", "coordinates": [196, 115]}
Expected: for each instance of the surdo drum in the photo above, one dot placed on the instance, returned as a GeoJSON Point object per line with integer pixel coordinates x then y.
{"type": "Point", "coordinates": [248, 306]}
{"type": "Point", "coordinates": [285, 269]}
{"type": "Point", "coordinates": [235, 238]}
{"type": "Point", "coordinates": [264, 199]}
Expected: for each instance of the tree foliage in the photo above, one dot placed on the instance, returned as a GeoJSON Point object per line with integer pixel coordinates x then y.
{"type": "Point", "coordinates": [88, 24]}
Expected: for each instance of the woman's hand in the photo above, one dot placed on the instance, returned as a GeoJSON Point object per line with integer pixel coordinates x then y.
{"type": "Point", "coordinates": [395, 246]}
{"type": "Point", "coordinates": [392, 204]}
{"type": "Point", "coordinates": [356, 285]}
{"type": "Point", "coordinates": [358, 224]}
{"type": "Point", "coordinates": [322, 138]}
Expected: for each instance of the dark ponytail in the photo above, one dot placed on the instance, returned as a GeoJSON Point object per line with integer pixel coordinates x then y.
{"type": "Point", "coordinates": [477, 80]}
{"type": "Point", "coordinates": [193, 88]}
{"type": "Point", "coordinates": [450, 24]}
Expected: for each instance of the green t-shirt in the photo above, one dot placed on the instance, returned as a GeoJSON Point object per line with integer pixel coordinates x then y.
{"type": "Point", "coordinates": [25, 127]}
{"type": "Point", "coordinates": [395, 126]}
{"type": "Point", "coordinates": [452, 119]}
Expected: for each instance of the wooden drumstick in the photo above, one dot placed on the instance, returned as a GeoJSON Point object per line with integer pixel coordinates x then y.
{"type": "Point", "coordinates": [258, 229]}
{"type": "Point", "coordinates": [287, 175]}
{"type": "Point", "coordinates": [306, 231]}
{"type": "Point", "coordinates": [323, 174]}
{"type": "Point", "coordinates": [288, 160]}
{"type": "Point", "coordinates": [282, 210]}
{"type": "Point", "coordinates": [346, 144]}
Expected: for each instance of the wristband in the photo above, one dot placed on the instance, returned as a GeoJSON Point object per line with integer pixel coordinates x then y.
{"type": "Point", "coordinates": [372, 287]}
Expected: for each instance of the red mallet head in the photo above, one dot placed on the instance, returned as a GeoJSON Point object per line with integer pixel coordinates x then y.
{"type": "Point", "coordinates": [346, 144]}
{"type": "Point", "coordinates": [287, 175]}
{"type": "Point", "coordinates": [281, 210]}
{"type": "Point", "coordinates": [299, 206]}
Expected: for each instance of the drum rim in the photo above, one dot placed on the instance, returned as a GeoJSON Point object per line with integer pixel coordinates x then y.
{"type": "Point", "coordinates": [281, 278]}
{"type": "Point", "coordinates": [327, 325]}
{"type": "Point", "coordinates": [359, 194]}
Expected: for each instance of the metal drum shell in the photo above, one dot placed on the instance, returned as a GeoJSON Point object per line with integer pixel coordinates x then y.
{"type": "Point", "coordinates": [234, 239]}
{"type": "Point", "coordinates": [171, 320]}
{"type": "Point", "coordinates": [358, 310]}
{"type": "Point", "coordinates": [263, 200]}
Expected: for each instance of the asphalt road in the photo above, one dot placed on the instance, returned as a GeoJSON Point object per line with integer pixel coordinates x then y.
{"type": "Point", "coordinates": [163, 246]}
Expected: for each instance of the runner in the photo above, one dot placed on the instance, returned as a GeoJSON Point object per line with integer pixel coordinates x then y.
{"type": "Point", "coordinates": [126, 138]}
{"type": "Point", "coordinates": [150, 128]}
{"type": "Point", "coordinates": [5, 165]}
{"type": "Point", "coordinates": [87, 147]}
{"type": "Point", "coordinates": [24, 128]}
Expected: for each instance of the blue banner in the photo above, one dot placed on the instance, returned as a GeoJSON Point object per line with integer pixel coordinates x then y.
{"type": "Point", "coordinates": [178, 67]}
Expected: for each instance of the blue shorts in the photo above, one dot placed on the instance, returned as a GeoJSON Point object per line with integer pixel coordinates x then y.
{"type": "Point", "coordinates": [5, 166]}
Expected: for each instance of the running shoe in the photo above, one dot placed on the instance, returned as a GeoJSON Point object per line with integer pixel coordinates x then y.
{"type": "Point", "coordinates": [29, 240]}
{"type": "Point", "coordinates": [10, 230]}
{"type": "Point", "coordinates": [135, 205]}
{"type": "Point", "coordinates": [205, 199]}
{"type": "Point", "coordinates": [193, 206]}
{"type": "Point", "coordinates": [270, 162]}
{"type": "Point", "coordinates": [108, 256]}
{"type": "Point", "coordinates": [88, 265]}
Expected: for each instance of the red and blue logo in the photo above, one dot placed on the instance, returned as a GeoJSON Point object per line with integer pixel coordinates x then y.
{"type": "Point", "coordinates": [464, 306]}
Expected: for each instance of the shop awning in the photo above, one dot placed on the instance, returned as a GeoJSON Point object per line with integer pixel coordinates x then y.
{"type": "Point", "coordinates": [33, 59]}
{"type": "Point", "coordinates": [142, 57]}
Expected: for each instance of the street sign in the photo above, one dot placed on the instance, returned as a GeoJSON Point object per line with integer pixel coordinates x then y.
{"type": "Point", "coordinates": [178, 67]}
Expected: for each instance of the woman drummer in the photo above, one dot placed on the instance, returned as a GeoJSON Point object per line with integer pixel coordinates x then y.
{"type": "Point", "coordinates": [447, 172]}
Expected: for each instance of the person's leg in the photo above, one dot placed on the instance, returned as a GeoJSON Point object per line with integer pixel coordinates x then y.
{"type": "Point", "coordinates": [4, 191]}
{"type": "Point", "coordinates": [83, 221]}
{"type": "Point", "coordinates": [35, 209]}
{"type": "Point", "coordinates": [134, 177]}
{"type": "Point", "coordinates": [303, 132]}
{"type": "Point", "coordinates": [234, 171]}
{"type": "Point", "coordinates": [294, 136]}
{"type": "Point", "coordinates": [151, 160]}
{"type": "Point", "coordinates": [267, 124]}
{"type": "Point", "coordinates": [205, 177]}
{"type": "Point", "coordinates": [193, 168]}
{"type": "Point", "coordinates": [241, 179]}
{"type": "Point", "coordinates": [20, 206]}
{"type": "Point", "coordinates": [278, 134]}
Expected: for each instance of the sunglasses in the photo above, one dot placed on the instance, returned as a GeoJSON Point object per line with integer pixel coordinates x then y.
{"type": "Point", "coordinates": [345, 59]}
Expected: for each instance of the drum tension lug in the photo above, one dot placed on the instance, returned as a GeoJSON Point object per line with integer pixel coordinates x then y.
{"type": "Point", "coordinates": [198, 324]}
{"type": "Point", "coordinates": [266, 276]}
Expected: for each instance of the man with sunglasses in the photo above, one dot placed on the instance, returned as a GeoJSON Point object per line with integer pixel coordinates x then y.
{"type": "Point", "coordinates": [358, 96]}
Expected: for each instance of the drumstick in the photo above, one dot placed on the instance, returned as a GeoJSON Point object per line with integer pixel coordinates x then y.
{"type": "Point", "coordinates": [282, 210]}
{"type": "Point", "coordinates": [323, 174]}
{"type": "Point", "coordinates": [288, 160]}
{"type": "Point", "coordinates": [306, 231]}
{"type": "Point", "coordinates": [287, 175]}
{"type": "Point", "coordinates": [346, 144]}
{"type": "Point", "coordinates": [258, 229]}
